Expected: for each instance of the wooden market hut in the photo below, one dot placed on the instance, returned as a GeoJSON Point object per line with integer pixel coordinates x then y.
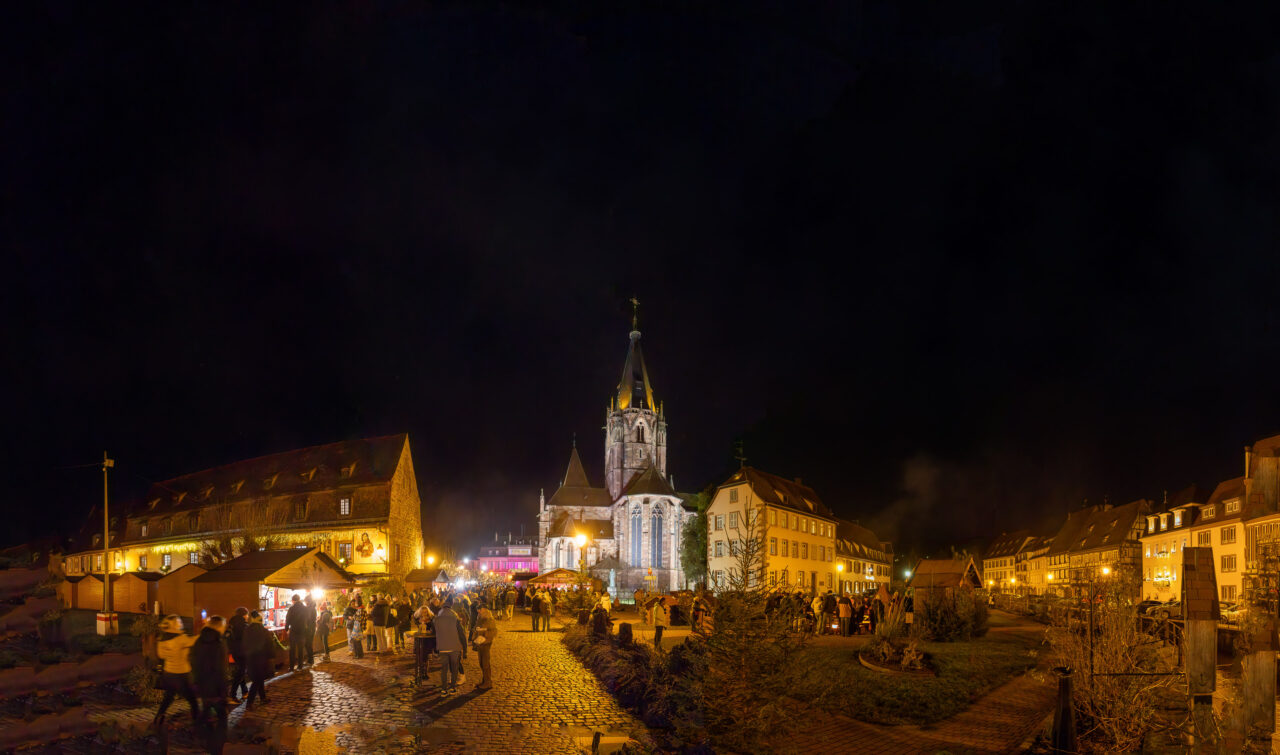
{"type": "Point", "coordinates": [418, 579]}
{"type": "Point", "coordinates": [135, 591]}
{"type": "Point", "coordinates": [564, 578]}
{"type": "Point", "coordinates": [442, 580]}
{"type": "Point", "coordinates": [944, 574]}
{"type": "Point", "coordinates": [175, 592]}
{"type": "Point", "coordinates": [89, 592]}
{"type": "Point", "coordinates": [67, 591]}
{"type": "Point", "coordinates": [240, 581]}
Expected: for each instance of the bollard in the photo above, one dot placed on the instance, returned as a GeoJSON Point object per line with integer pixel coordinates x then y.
{"type": "Point", "coordinates": [1064, 715]}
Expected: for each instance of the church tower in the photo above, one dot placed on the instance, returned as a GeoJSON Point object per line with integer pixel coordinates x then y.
{"type": "Point", "coordinates": [635, 426]}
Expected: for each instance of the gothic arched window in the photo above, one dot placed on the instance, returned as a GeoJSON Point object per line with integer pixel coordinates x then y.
{"type": "Point", "coordinates": [640, 433]}
{"type": "Point", "coordinates": [636, 535]}
{"type": "Point", "coordinates": [655, 534]}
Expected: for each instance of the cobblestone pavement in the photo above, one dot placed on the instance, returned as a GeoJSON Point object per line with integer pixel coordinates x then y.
{"type": "Point", "coordinates": [542, 701]}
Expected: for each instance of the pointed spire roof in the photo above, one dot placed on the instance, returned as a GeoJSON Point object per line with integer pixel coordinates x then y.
{"type": "Point", "coordinates": [576, 475]}
{"type": "Point", "coordinates": [634, 389]}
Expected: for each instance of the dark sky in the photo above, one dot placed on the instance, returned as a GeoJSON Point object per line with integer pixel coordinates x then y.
{"type": "Point", "coordinates": [958, 271]}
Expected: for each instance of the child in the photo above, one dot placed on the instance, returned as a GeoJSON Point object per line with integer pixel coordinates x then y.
{"type": "Point", "coordinates": [355, 636]}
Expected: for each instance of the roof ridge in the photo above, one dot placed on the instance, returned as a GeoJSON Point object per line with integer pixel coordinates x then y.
{"type": "Point", "coordinates": [304, 449]}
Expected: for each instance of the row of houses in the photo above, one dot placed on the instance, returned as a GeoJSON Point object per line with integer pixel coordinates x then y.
{"type": "Point", "coordinates": [1142, 540]}
{"type": "Point", "coordinates": [806, 547]}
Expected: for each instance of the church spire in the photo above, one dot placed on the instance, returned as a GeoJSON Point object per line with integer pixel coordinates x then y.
{"type": "Point", "coordinates": [634, 389]}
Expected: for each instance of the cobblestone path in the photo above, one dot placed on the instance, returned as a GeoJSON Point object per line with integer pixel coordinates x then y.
{"type": "Point", "coordinates": [542, 701]}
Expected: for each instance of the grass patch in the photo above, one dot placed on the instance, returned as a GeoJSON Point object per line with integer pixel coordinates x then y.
{"type": "Point", "coordinates": [832, 678]}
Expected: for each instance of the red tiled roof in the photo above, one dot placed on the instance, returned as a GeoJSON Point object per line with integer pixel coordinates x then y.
{"type": "Point", "coordinates": [1007, 544]}
{"type": "Point", "coordinates": [779, 491]}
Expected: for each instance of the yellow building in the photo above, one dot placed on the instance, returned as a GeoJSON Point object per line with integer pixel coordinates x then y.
{"type": "Point", "coordinates": [864, 562]}
{"type": "Point", "coordinates": [1031, 566]}
{"type": "Point", "coordinates": [795, 531]}
{"type": "Point", "coordinates": [1219, 525]}
{"type": "Point", "coordinates": [998, 572]}
{"type": "Point", "coordinates": [356, 501]}
{"type": "Point", "coordinates": [1165, 534]}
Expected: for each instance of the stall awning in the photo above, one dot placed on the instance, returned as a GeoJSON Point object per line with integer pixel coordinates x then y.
{"type": "Point", "coordinates": [299, 568]}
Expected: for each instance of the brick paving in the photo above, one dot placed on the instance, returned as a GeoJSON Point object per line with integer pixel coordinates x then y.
{"type": "Point", "coordinates": [542, 700]}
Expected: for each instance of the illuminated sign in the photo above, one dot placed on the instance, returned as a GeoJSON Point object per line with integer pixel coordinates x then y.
{"type": "Point", "coordinates": [519, 551]}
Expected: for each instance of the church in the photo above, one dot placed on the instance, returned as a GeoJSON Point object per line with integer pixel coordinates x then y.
{"type": "Point", "coordinates": [634, 523]}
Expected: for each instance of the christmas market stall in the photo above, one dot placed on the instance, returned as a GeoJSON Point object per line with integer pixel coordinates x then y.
{"type": "Point", "coordinates": [134, 592]}
{"type": "Point", "coordinates": [418, 579]}
{"type": "Point", "coordinates": [267, 581]}
{"type": "Point", "coordinates": [175, 592]}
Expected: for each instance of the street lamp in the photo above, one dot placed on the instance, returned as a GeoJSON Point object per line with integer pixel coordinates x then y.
{"type": "Point", "coordinates": [1106, 570]}
{"type": "Point", "coordinates": [431, 560]}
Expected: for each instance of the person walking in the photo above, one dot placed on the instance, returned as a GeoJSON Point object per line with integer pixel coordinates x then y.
{"type": "Point", "coordinates": [257, 657]}
{"type": "Point", "coordinates": [355, 634]}
{"type": "Point", "coordinates": [535, 610]}
{"type": "Point", "coordinates": [295, 626]}
{"type": "Point", "coordinates": [486, 632]}
{"type": "Point", "coordinates": [175, 676]}
{"type": "Point", "coordinates": [324, 625]}
{"type": "Point", "coordinates": [236, 625]}
{"type": "Point", "coordinates": [451, 644]}
{"type": "Point", "coordinates": [512, 596]}
{"type": "Point", "coordinates": [209, 664]}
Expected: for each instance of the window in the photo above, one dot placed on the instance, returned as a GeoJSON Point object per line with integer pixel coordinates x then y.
{"type": "Point", "coordinates": [1164, 522]}
{"type": "Point", "coordinates": [144, 529]}
{"type": "Point", "coordinates": [719, 548]}
{"type": "Point", "coordinates": [733, 520]}
{"type": "Point", "coordinates": [773, 546]}
{"type": "Point", "coordinates": [166, 560]}
{"type": "Point", "coordinates": [344, 506]}
{"type": "Point", "coordinates": [773, 518]}
{"type": "Point", "coordinates": [640, 433]}
{"type": "Point", "coordinates": [193, 558]}
{"type": "Point", "coordinates": [785, 550]}
{"type": "Point", "coordinates": [1208, 512]}
{"type": "Point", "coordinates": [1229, 563]}
{"type": "Point", "coordinates": [637, 534]}
{"type": "Point", "coordinates": [1228, 592]}
{"type": "Point", "coordinates": [655, 540]}
{"type": "Point", "coordinates": [167, 526]}
{"type": "Point", "coordinates": [1151, 524]}
{"type": "Point", "coordinates": [344, 552]}
{"type": "Point", "coordinates": [1233, 506]}
{"type": "Point", "coordinates": [773, 578]}
{"type": "Point", "coordinates": [800, 578]}
{"type": "Point", "coordinates": [395, 553]}
{"type": "Point", "coordinates": [299, 510]}
{"type": "Point", "coordinates": [804, 550]}
{"type": "Point", "coordinates": [1177, 519]}
{"type": "Point", "coordinates": [97, 560]}
{"type": "Point", "coordinates": [795, 549]}
{"type": "Point", "coordinates": [733, 495]}
{"type": "Point", "coordinates": [719, 521]}
{"type": "Point", "coordinates": [1227, 535]}
{"type": "Point", "coordinates": [1203, 539]}
{"type": "Point", "coordinates": [193, 522]}
{"type": "Point", "coordinates": [795, 522]}
{"type": "Point", "coordinates": [822, 553]}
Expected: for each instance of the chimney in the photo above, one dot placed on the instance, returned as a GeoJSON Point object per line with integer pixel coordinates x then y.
{"type": "Point", "coordinates": [1248, 459]}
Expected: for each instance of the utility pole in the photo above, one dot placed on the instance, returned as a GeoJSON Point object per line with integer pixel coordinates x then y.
{"type": "Point", "coordinates": [106, 620]}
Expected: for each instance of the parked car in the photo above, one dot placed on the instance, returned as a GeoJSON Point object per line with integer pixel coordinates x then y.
{"type": "Point", "coordinates": [1146, 605]}
{"type": "Point", "coordinates": [1170, 610]}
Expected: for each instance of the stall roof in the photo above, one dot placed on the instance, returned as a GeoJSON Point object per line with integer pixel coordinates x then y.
{"type": "Point", "coordinates": [282, 568]}
{"type": "Point", "coordinates": [555, 577]}
{"type": "Point", "coordinates": [418, 576]}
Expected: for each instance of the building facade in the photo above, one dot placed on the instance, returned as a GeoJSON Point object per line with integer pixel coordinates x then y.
{"type": "Point", "coordinates": [795, 531]}
{"type": "Point", "coordinates": [510, 557]}
{"type": "Point", "coordinates": [1165, 536]}
{"type": "Point", "coordinates": [356, 501]}
{"type": "Point", "coordinates": [1031, 566]}
{"type": "Point", "coordinates": [864, 562]}
{"type": "Point", "coordinates": [1220, 525]}
{"type": "Point", "coordinates": [632, 525]}
{"type": "Point", "coordinates": [999, 562]}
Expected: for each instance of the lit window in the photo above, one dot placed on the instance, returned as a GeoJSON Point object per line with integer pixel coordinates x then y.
{"type": "Point", "coordinates": [299, 510]}
{"type": "Point", "coordinates": [773, 546]}
{"type": "Point", "coordinates": [1177, 518]}
{"type": "Point", "coordinates": [193, 558]}
{"type": "Point", "coordinates": [142, 562]}
{"type": "Point", "coordinates": [1208, 512]}
{"type": "Point", "coordinates": [1233, 506]}
{"type": "Point", "coordinates": [145, 528]}
{"type": "Point", "coordinates": [773, 518]}
{"type": "Point", "coordinates": [344, 552]}
{"type": "Point", "coordinates": [1227, 535]}
{"type": "Point", "coordinates": [166, 560]}
{"type": "Point", "coordinates": [784, 548]}
{"type": "Point", "coordinates": [344, 506]}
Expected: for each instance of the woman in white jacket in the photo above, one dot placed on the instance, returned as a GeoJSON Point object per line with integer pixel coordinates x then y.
{"type": "Point", "coordinates": [175, 675]}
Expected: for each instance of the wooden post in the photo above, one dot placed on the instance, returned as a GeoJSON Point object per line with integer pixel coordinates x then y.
{"type": "Point", "coordinates": [1258, 682]}
{"type": "Point", "coordinates": [1200, 639]}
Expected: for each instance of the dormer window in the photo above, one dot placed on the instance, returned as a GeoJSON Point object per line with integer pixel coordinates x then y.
{"type": "Point", "coordinates": [1233, 506]}
{"type": "Point", "coordinates": [1209, 512]}
{"type": "Point", "coordinates": [1164, 521]}
{"type": "Point", "coordinates": [206, 493]}
{"type": "Point", "coordinates": [168, 526]}
{"type": "Point", "coordinates": [153, 503]}
{"type": "Point", "coordinates": [177, 499]}
{"type": "Point", "coordinates": [144, 529]}
{"type": "Point", "coordinates": [269, 482]}
{"type": "Point", "coordinates": [348, 470]}
{"type": "Point", "coordinates": [235, 486]}
{"type": "Point", "coordinates": [308, 475]}
{"type": "Point", "coordinates": [299, 510]}
{"type": "Point", "coordinates": [1177, 519]}
{"type": "Point", "coordinates": [97, 540]}
{"type": "Point", "coordinates": [193, 522]}
{"type": "Point", "coordinates": [344, 506]}
{"type": "Point", "coordinates": [1151, 524]}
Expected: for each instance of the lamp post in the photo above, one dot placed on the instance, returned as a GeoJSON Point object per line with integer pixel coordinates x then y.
{"type": "Point", "coordinates": [380, 553]}
{"type": "Point", "coordinates": [840, 576]}
{"type": "Point", "coordinates": [106, 623]}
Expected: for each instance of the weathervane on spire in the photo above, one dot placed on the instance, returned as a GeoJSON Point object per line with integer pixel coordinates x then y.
{"type": "Point", "coordinates": [635, 313]}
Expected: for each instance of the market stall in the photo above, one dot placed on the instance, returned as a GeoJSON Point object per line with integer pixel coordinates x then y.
{"type": "Point", "coordinates": [267, 581]}
{"type": "Point", "coordinates": [175, 593]}
{"type": "Point", "coordinates": [134, 592]}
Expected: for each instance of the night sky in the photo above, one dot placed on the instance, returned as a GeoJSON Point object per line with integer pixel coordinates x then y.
{"type": "Point", "coordinates": [959, 272]}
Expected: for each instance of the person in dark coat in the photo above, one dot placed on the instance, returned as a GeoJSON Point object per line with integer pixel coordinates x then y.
{"type": "Point", "coordinates": [209, 667]}
{"type": "Point", "coordinates": [535, 608]}
{"type": "Point", "coordinates": [234, 636]}
{"type": "Point", "coordinates": [295, 625]}
{"type": "Point", "coordinates": [324, 625]}
{"type": "Point", "coordinates": [257, 657]}
{"type": "Point", "coordinates": [404, 620]}
{"type": "Point", "coordinates": [309, 616]}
